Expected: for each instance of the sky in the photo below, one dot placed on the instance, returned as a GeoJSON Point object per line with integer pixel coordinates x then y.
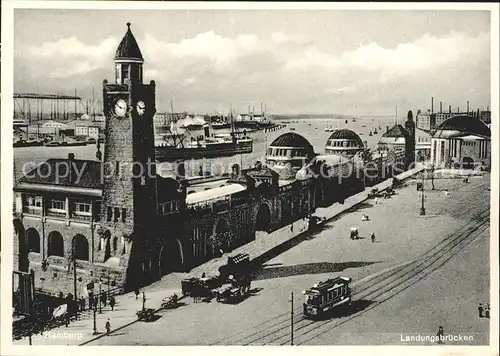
{"type": "Point", "coordinates": [310, 61]}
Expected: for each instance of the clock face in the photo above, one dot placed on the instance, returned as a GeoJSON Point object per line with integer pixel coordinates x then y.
{"type": "Point", "coordinates": [120, 108]}
{"type": "Point", "coordinates": [141, 108]}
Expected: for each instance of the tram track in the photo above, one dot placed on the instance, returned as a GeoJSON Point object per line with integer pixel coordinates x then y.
{"type": "Point", "coordinates": [399, 283]}
{"type": "Point", "coordinates": [385, 285]}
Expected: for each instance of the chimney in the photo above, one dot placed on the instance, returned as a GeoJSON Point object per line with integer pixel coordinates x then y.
{"type": "Point", "coordinates": [387, 129]}
{"type": "Point", "coordinates": [450, 109]}
{"type": "Point", "coordinates": [432, 105]}
{"type": "Point", "coordinates": [440, 107]}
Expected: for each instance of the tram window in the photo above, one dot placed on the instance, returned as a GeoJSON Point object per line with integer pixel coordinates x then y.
{"type": "Point", "coordinates": [315, 300]}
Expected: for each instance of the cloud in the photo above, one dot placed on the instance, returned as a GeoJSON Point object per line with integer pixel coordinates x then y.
{"type": "Point", "coordinates": [66, 57]}
{"type": "Point", "coordinates": [290, 73]}
{"type": "Point", "coordinates": [425, 53]}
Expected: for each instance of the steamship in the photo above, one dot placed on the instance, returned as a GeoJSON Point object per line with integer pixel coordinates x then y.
{"type": "Point", "coordinates": [204, 146]}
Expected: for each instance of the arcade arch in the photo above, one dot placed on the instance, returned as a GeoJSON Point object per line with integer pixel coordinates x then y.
{"type": "Point", "coordinates": [33, 238]}
{"type": "Point", "coordinates": [80, 247]}
{"type": "Point", "coordinates": [56, 244]}
{"type": "Point", "coordinates": [263, 218]}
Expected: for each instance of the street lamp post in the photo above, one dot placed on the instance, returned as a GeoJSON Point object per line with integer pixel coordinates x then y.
{"type": "Point", "coordinates": [432, 176]}
{"type": "Point", "coordinates": [100, 293]}
{"type": "Point", "coordinates": [95, 322]}
{"type": "Point", "coordinates": [422, 208]}
{"type": "Point", "coordinates": [291, 319]}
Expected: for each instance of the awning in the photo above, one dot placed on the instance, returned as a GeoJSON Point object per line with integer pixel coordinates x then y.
{"type": "Point", "coordinates": [214, 193]}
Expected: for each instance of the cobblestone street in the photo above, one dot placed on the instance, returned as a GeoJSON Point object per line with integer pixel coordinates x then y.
{"type": "Point", "coordinates": [330, 253]}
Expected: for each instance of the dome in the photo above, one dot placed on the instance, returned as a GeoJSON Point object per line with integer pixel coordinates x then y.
{"type": "Point", "coordinates": [462, 124]}
{"type": "Point", "coordinates": [345, 134]}
{"type": "Point", "coordinates": [292, 139]}
{"type": "Point", "coordinates": [128, 47]}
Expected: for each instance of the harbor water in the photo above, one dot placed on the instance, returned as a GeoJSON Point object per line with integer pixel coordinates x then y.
{"type": "Point", "coordinates": [312, 129]}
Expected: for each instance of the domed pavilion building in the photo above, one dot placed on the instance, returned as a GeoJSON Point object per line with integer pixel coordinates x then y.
{"type": "Point", "coordinates": [345, 143]}
{"type": "Point", "coordinates": [462, 142]}
{"type": "Point", "coordinates": [288, 153]}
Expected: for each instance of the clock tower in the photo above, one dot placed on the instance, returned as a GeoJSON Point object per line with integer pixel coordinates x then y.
{"type": "Point", "coordinates": [128, 209]}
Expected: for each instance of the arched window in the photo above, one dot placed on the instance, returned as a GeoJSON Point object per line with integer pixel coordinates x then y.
{"type": "Point", "coordinates": [33, 238]}
{"type": "Point", "coordinates": [56, 244]}
{"type": "Point", "coordinates": [80, 247]}
{"type": "Point", "coordinates": [115, 243]}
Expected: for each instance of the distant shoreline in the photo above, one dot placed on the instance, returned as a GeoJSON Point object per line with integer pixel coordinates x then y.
{"type": "Point", "coordinates": [329, 116]}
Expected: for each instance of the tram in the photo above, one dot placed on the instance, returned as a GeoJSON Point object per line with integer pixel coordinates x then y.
{"type": "Point", "coordinates": [326, 296]}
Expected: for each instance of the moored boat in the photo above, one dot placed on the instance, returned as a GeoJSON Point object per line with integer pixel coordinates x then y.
{"type": "Point", "coordinates": [204, 146]}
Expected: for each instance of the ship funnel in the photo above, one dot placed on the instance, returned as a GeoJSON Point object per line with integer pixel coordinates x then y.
{"type": "Point", "coordinates": [71, 174]}
{"type": "Point", "coordinates": [206, 130]}
{"type": "Point", "coordinates": [180, 171]}
{"type": "Point", "coordinates": [235, 170]}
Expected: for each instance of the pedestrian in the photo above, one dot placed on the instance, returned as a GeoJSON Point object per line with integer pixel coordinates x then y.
{"type": "Point", "coordinates": [103, 299]}
{"type": "Point", "coordinates": [291, 228]}
{"type": "Point", "coordinates": [481, 310]}
{"type": "Point", "coordinates": [373, 237]}
{"type": "Point", "coordinates": [108, 327]}
{"type": "Point", "coordinates": [143, 300]}
{"type": "Point", "coordinates": [112, 303]}
{"type": "Point", "coordinates": [440, 335]}
{"type": "Point", "coordinates": [376, 200]}
{"type": "Point", "coordinates": [487, 311]}
{"type": "Point", "coordinates": [136, 293]}
{"type": "Point", "coordinates": [203, 275]}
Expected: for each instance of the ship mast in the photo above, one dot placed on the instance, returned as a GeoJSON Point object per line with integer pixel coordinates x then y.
{"type": "Point", "coordinates": [232, 121]}
{"type": "Point", "coordinates": [93, 105]}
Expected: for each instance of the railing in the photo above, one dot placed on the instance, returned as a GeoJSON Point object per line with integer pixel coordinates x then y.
{"type": "Point", "coordinates": [81, 217]}
{"type": "Point", "coordinates": [35, 210]}
{"type": "Point", "coordinates": [56, 214]}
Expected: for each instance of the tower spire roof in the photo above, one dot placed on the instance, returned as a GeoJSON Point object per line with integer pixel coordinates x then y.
{"type": "Point", "coordinates": [128, 47]}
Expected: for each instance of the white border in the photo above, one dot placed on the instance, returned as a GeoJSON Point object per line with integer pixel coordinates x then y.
{"type": "Point", "coordinates": [7, 167]}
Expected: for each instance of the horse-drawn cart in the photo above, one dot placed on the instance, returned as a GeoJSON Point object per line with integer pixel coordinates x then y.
{"type": "Point", "coordinates": [233, 281]}
{"type": "Point", "coordinates": [146, 314]}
